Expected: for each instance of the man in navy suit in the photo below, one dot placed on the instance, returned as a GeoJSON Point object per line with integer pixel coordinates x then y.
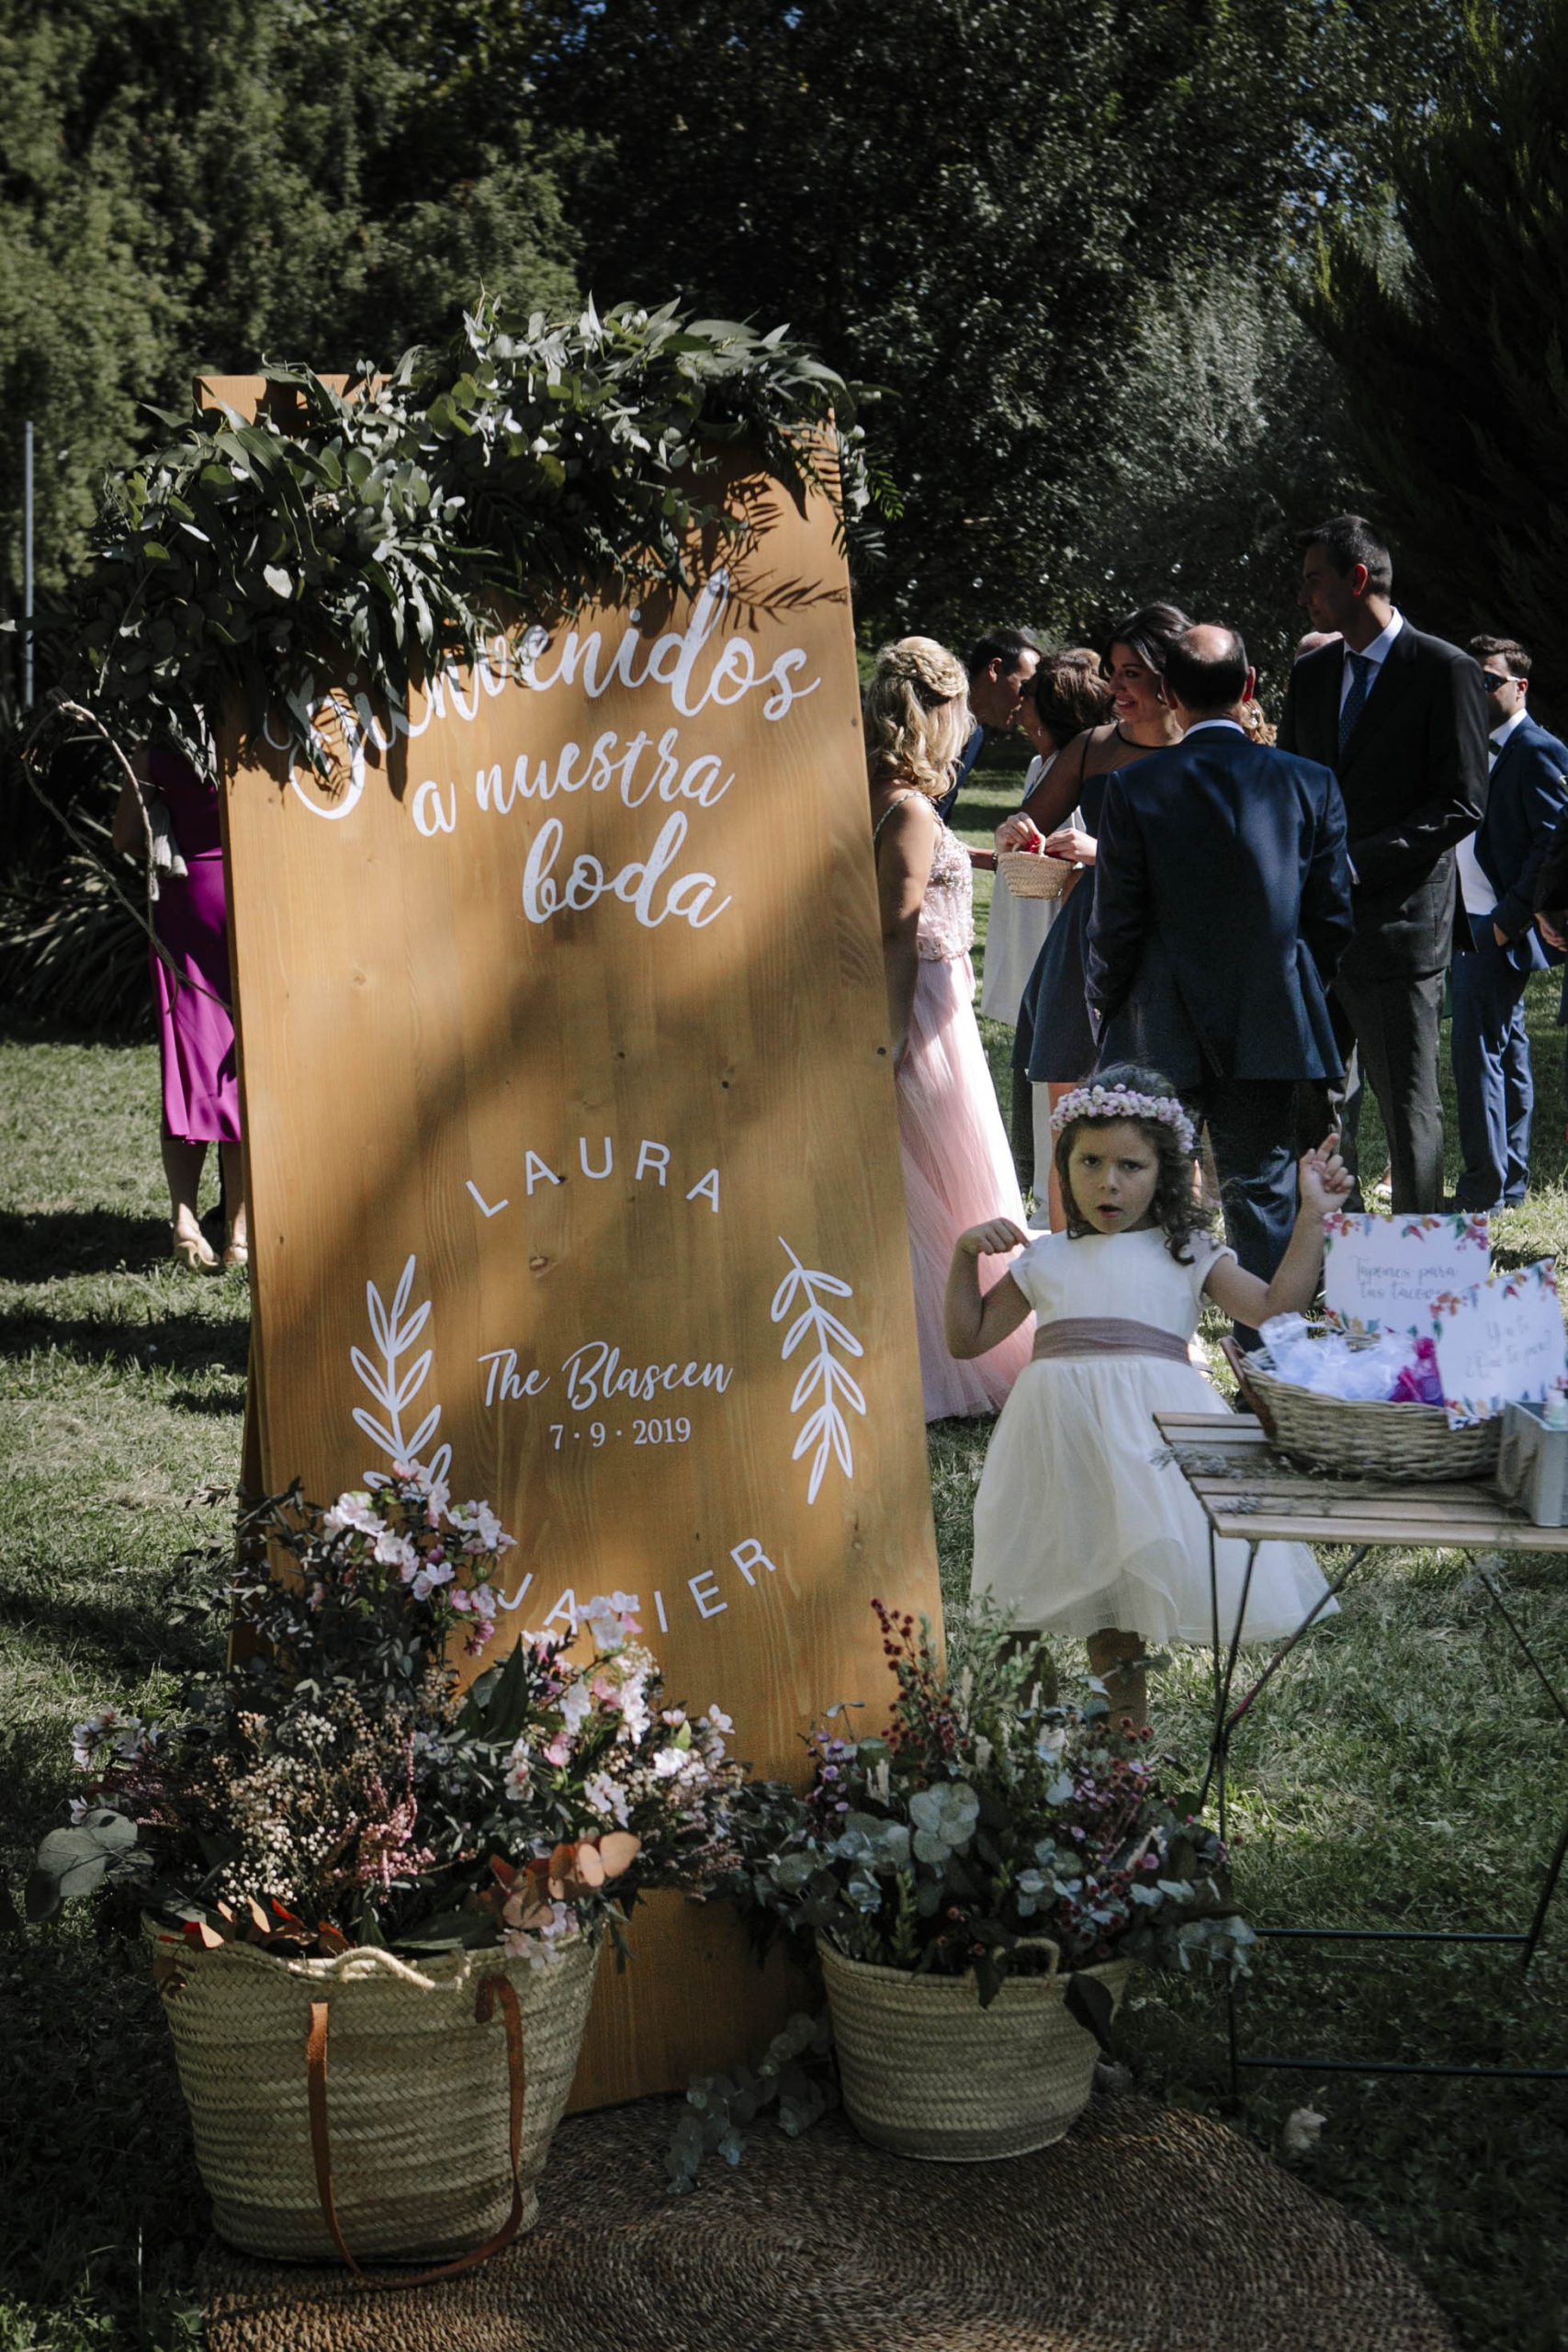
{"type": "Point", "coordinates": [1401, 719]}
{"type": "Point", "coordinates": [1500, 876]}
{"type": "Point", "coordinates": [1222, 905]}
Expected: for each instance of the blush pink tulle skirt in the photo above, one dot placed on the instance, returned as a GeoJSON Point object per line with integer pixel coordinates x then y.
{"type": "Point", "coordinates": [958, 1170]}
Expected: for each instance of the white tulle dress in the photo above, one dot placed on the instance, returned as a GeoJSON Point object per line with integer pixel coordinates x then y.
{"type": "Point", "coordinates": [1076, 1525]}
{"type": "Point", "coordinates": [958, 1168]}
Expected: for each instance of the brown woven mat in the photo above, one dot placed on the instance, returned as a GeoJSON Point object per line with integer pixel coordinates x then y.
{"type": "Point", "coordinates": [1143, 2231]}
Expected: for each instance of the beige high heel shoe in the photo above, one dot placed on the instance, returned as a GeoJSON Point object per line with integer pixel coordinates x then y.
{"type": "Point", "coordinates": [194, 1253]}
{"type": "Point", "coordinates": [237, 1258]}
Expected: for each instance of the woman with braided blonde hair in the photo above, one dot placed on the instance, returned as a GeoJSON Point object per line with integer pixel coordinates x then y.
{"type": "Point", "coordinates": [955, 1149]}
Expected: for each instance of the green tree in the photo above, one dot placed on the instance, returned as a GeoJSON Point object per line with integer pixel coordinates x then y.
{"type": "Point", "coordinates": [193, 185]}
{"type": "Point", "coordinates": [985, 206]}
{"type": "Point", "coordinates": [1451, 329]}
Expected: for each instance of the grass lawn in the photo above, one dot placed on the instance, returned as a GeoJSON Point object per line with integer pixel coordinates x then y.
{"type": "Point", "coordinates": [1406, 1767]}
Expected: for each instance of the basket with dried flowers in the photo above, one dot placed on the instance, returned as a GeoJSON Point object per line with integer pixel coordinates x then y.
{"type": "Point", "coordinates": [979, 1879]}
{"type": "Point", "coordinates": [335, 1850]}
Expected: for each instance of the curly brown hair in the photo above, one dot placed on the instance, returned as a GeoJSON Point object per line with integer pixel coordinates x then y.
{"type": "Point", "coordinates": [1175, 1208]}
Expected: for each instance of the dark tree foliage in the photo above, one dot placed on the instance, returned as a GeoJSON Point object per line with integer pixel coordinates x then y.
{"type": "Point", "coordinates": [190, 184]}
{"type": "Point", "coordinates": [983, 206]}
{"type": "Point", "coordinates": [1451, 333]}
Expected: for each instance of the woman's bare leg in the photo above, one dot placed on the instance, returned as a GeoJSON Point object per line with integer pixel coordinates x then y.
{"type": "Point", "coordinates": [183, 1164]}
{"type": "Point", "coordinates": [234, 1159]}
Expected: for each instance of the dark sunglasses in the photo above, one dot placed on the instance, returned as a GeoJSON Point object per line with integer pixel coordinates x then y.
{"type": "Point", "coordinates": [1491, 682]}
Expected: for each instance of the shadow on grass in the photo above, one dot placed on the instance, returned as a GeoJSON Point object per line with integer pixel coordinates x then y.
{"type": "Point", "coordinates": [180, 1342]}
{"type": "Point", "coordinates": [37, 1249]}
{"type": "Point", "coordinates": [127, 1639]}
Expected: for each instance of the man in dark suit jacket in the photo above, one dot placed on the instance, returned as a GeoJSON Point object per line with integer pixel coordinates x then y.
{"type": "Point", "coordinates": [1500, 876]}
{"type": "Point", "coordinates": [1001, 667]}
{"type": "Point", "coordinates": [1401, 719]}
{"type": "Point", "coordinates": [1222, 905]}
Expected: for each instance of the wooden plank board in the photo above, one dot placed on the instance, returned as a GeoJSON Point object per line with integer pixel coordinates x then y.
{"type": "Point", "coordinates": [1270, 1500]}
{"type": "Point", "coordinates": [573, 1160]}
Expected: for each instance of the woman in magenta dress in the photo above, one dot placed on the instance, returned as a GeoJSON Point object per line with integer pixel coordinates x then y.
{"type": "Point", "coordinates": [954, 1148]}
{"type": "Point", "coordinates": [196, 1033]}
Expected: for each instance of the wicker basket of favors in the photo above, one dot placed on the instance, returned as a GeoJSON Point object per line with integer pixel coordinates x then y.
{"type": "Point", "coordinates": [1028, 873]}
{"type": "Point", "coordinates": [1412, 1443]}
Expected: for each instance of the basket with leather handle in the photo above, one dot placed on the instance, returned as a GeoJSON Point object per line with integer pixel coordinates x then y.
{"type": "Point", "coordinates": [927, 2072]}
{"type": "Point", "coordinates": [369, 2106]}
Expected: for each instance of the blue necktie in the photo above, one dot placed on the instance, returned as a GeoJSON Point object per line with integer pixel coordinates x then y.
{"type": "Point", "coordinates": [1362, 669]}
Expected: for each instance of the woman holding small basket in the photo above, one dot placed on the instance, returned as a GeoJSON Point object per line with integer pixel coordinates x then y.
{"type": "Point", "coordinates": [1055, 1047]}
{"type": "Point", "coordinates": [1068, 697]}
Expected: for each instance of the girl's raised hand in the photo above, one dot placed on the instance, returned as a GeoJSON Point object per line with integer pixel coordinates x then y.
{"type": "Point", "coordinates": [1324, 1179]}
{"type": "Point", "coordinates": [992, 1239]}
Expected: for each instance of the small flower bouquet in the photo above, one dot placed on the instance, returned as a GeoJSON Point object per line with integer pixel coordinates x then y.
{"type": "Point", "coordinates": [984, 1821]}
{"type": "Point", "coordinates": [333, 1788]}
{"type": "Point", "coordinates": [979, 1879]}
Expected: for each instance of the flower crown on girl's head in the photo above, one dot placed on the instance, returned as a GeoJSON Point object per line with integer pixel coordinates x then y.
{"type": "Point", "coordinates": [1121, 1102]}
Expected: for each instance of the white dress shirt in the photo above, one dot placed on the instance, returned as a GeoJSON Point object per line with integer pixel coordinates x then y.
{"type": "Point", "coordinates": [1479, 897]}
{"type": "Point", "coordinates": [1376, 653]}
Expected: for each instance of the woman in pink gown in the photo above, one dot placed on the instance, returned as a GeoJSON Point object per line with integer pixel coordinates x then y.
{"type": "Point", "coordinates": [190, 982]}
{"type": "Point", "coordinates": [958, 1170]}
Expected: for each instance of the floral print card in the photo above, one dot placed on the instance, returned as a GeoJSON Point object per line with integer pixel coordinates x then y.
{"type": "Point", "coordinates": [1500, 1342]}
{"type": "Point", "coordinates": [1382, 1273]}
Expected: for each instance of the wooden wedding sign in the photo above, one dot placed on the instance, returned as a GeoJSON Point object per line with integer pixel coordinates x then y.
{"type": "Point", "coordinates": [573, 1164]}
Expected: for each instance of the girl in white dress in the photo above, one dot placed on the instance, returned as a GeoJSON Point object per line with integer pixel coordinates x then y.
{"type": "Point", "coordinates": [1077, 1526]}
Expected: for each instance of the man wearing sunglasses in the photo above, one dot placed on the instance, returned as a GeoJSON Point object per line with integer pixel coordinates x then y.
{"type": "Point", "coordinates": [1501, 869]}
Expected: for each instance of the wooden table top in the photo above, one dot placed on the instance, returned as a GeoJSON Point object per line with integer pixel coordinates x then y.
{"type": "Point", "coordinates": [1250, 1493]}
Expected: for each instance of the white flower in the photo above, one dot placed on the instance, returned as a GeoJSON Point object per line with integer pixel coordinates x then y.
{"type": "Point", "coordinates": [1303, 2130]}
{"type": "Point", "coordinates": [433, 1573]}
{"type": "Point", "coordinates": [635, 1717]}
{"type": "Point", "coordinates": [353, 1511]}
{"type": "Point", "coordinates": [518, 1775]}
{"type": "Point", "coordinates": [86, 1735]}
{"type": "Point", "coordinates": [720, 1722]}
{"type": "Point", "coordinates": [604, 1798]}
{"type": "Point", "coordinates": [576, 1705]}
{"type": "Point", "coordinates": [669, 1762]}
{"type": "Point", "coordinates": [395, 1551]}
{"type": "Point", "coordinates": [480, 1525]}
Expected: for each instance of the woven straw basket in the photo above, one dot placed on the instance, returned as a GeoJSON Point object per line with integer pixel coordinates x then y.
{"type": "Point", "coordinates": [927, 2072]}
{"type": "Point", "coordinates": [1029, 875]}
{"type": "Point", "coordinates": [1408, 1443]}
{"type": "Point", "coordinates": [359, 2105]}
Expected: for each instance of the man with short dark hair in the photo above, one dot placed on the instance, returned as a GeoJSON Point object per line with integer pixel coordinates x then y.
{"type": "Point", "coordinates": [1221, 904]}
{"type": "Point", "coordinates": [1000, 665]}
{"type": "Point", "coordinates": [1500, 872]}
{"type": "Point", "coordinates": [1401, 719]}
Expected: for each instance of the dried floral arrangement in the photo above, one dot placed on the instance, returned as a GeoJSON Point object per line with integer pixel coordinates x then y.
{"type": "Point", "coordinates": [985, 1818]}
{"type": "Point", "coordinates": [335, 1788]}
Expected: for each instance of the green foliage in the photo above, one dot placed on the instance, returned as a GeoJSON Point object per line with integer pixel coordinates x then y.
{"type": "Point", "coordinates": [793, 2076]}
{"type": "Point", "coordinates": [986, 1821]}
{"type": "Point", "coordinates": [1449, 321]}
{"type": "Point", "coordinates": [191, 183]}
{"type": "Point", "coordinates": [395, 528]}
{"type": "Point", "coordinates": [988, 210]}
{"type": "Point", "coordinates": [72, 950]}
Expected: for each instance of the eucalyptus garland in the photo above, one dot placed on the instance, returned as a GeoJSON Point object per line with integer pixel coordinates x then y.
{"type": "Point", "coordinates": [393, 526]}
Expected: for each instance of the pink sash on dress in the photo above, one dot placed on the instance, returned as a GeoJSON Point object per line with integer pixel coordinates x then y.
{"type": "Point", "coordinates": [1106, 1335]}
